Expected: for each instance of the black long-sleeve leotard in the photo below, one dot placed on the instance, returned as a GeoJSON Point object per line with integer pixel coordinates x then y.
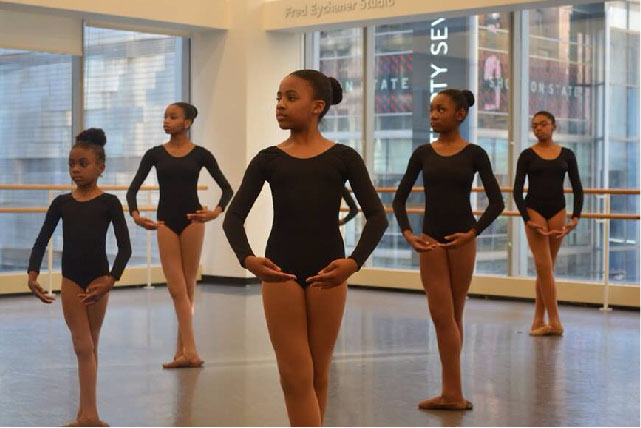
{"type": "Point", "coordinates": [545, 183]}
{"type": "Point", "coordinates": [353, 208]}
{"type": "Point", "coordinates": [306, 192]}
{"type": "Point", "coordinates": [178, 180]}
{"type": "Point", "coordinates": [84, 230]}
{"type": "Point", "coordinates": [448, 182]}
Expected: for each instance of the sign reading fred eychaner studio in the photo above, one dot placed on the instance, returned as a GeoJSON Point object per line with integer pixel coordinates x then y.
{"type": "Point", "coordinates": [318, 9]}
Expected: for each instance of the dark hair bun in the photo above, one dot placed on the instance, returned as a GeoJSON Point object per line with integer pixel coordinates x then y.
{"type": "Point", "coordinates": [190, 110]}
{"type": "Point", "coordinates": [469, 96]}
{"type": "Point", "coordinates": [92, 136]}
{"type": "Point", "coordinates": [337, 90]}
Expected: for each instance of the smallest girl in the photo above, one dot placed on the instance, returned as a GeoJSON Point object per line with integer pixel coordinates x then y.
{"type": "Point", "coordinates": [86, 279]}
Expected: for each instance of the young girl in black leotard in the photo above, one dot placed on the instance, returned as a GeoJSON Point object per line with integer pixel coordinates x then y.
{"type": "Point", "coordinates": [86, 280]}
{"type": "Point", "coordinates": [181, 218]}
{"type": "Point", "coordinates": [447, 246]}
{"type": "Point", "coordinates": [543, 211]}
{"type": "Point", "coordinates": [305, 271]}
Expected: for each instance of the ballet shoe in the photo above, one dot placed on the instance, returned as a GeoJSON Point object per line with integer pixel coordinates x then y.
{"type": "Point", "coordinates": [181, 363]}
{"type": "Point", "coordinates": [434, 405]}
{"type": "Point", "coordinates": [541, 331]}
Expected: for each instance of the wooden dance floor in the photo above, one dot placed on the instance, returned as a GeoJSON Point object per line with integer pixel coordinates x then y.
{"type": "Point", "coordinates": [385, 361]}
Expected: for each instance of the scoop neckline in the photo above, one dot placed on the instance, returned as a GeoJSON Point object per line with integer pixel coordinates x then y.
{"type": "Point", "coordinates": [547, 159]}
{"type": "Point", "coordinates": [88, 200]}
{"type": "Point", "coordinates": [450, 156]}
{"type": "Point", "coordinates": [312, 157]}
{"type": "Point", "coordinates": [178, 157]}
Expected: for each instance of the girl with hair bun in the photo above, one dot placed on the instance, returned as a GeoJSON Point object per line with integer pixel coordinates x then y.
{"type": "Point", "coordinates": [447, 245]}
{"type": "Point", "coordinates": [304, 271]}
{"type": "Point", "coordinates": [86, 213]}
{"type": "Point", "coordinates": [181, 218]}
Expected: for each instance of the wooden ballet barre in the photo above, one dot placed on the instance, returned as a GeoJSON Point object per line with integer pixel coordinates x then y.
{"type": "Point", "coordinates": [518, 214]}
{"type": "Point", "coordinates": [72, 187]}
{"type": "Point", "coordinates": [44, 209]}
{"type": "Point", "coordinates": [511, 189]}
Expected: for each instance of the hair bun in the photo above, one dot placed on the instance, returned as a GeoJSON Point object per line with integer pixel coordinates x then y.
{"type": "Point", "coordinates": [337, 90]}
{"type": "Point", "coordinates": [469, 96]}
{"type": "Point", "coordinates": [92, 136]}
{"type": "Point", "coordinates": [195, 110]}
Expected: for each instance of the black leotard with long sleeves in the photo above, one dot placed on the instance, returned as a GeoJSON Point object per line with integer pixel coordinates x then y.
{"type": "Point", "coordinates": [178, 180]}
{"type": "Point", "coordinates": [448, 183]}
{"type": "Point", "coordinates": [84, 230]}
{"type": "Point", "coordinates": [545, 183]}
{"type": "Point", "coordinates": [306, 192]}
{"type": "Point", "coordinates": [353, 208]}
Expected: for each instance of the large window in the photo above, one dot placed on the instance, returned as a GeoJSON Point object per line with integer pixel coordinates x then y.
{"type": "Point", "coordinates": [566, 51]}
{"type": "Point", "coordinates": [35, 131]}
{"type": "Point", "coordinates": [129, 78]}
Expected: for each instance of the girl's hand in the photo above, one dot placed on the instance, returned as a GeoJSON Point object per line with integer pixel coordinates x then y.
{"type": "Point", "coordinates": [567, 228]}
{"type": "Point", "coordinates": [145, 222]}
{"type": "Point", "coordinates": [266, 270]}
{"type": "Point", "coordinates": [419, 244]}
{"type": "Point", "coordinates": [541, 230]}
{"type": "Point", "coordinates": [334, 274]}
{"type": "Point", "coordinates": [204, 215]}
{"type": "Point", "coordinates": [37, 290]}
{"type": "Point", "coordinates": [457, 239]}
{"type": "Point", "coordinates": [97, 289]}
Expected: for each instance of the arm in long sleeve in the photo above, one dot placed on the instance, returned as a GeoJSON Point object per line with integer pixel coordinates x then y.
{"type": "Point", "coordinates": [143, 171]}
{"type": "Point", "coordinates": [234, 223]}
{"type": "Point", "coordinates": [122, 239]}
{"type": "Point", "coordinates": [493, 191]}
{"type": "Point", "coordinates": [353, 209]}
{"type": "Point", "coordinates": [577, 188]}
{"type": "Point", "coordinates": [214, 170]}
{"type": "Point", "coordinates": [414, 168]}
{"type": "Point", "coordinates": [49, 226]}
{"type": "Point", "coordinates": [519, 181]}
{"type": "Point", "coordinates": [376, 220]}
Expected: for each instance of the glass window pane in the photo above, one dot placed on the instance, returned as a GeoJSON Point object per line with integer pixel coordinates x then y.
{"type": "Point", "coordinates": [414, 62]}
{"type": "Point", "coordinates": [35, 130]}
{"type": "Point", "coordinates": [130, 78]}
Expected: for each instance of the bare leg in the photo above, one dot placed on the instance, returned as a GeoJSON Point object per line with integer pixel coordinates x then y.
{"type": "Point", "coordinates": [286, 316]}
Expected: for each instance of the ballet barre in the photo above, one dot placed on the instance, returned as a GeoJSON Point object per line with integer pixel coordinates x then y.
{"type": "Point", "coordinates": [603, 218]}
{"type": "Point", "coordinates": [52, 189]}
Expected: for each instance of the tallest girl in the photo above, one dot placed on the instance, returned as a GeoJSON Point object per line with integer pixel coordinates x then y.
{"type": "Point", "coordinates": [305, 271]}
{"type": "Point", "coordinates": [180, 216]}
